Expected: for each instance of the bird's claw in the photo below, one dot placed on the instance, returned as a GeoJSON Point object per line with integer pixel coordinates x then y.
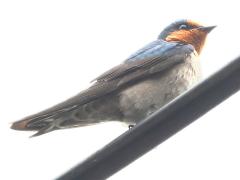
{"type": "Point", "coordinates": [130, 126]}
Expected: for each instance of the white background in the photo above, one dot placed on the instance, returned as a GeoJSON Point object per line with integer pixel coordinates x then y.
{"type": "Point", "coordinates": [50, 50]}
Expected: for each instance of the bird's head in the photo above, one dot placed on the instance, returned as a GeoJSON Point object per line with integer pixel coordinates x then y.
{"type": "Point", "coordinates": [188, 32]}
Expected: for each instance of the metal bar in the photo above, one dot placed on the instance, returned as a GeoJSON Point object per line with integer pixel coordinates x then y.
{"type": "Point", "coordinates": [160, 126]}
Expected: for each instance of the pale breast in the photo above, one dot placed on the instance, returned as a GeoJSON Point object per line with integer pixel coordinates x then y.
{"type": "Point", "coordinates": [145, 97]}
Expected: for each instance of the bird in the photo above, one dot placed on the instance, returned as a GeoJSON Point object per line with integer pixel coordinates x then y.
{"type": "Point", "coordinates": [131, 91]}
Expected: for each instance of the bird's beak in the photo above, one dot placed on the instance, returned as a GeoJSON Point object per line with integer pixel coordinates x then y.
{"type": "Point", "coordinates": [207, 29]}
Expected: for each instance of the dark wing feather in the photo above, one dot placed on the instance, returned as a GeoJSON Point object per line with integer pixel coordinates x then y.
{"type": "Point", "coordinates": [155, 57]}
{"type": "Point", "coordinates": [158, 52]}
{"type": "Point", "coordinates": [125, 66]}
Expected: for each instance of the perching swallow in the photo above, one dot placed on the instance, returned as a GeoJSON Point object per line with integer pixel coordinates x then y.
{"type": "Point", "coordinates": [134, 89]}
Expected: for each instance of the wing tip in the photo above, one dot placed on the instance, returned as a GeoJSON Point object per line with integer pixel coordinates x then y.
{"type": "Point", "coordinates": [20, 125]}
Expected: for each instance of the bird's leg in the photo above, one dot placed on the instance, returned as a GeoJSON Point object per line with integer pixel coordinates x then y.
{"type": "Point", "coordinates": [130, 126]}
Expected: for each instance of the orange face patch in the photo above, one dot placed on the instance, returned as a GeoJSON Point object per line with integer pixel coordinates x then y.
{"type": "Point", "coordinates": [194, 37]}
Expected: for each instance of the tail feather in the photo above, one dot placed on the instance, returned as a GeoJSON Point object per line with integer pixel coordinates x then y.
{"type": "Point", "coordinates": [46, 129]}
{"type": "Point", "coordinates": [47, 123]}
{"type": "Point", "coordinates": [42, 124]}
{"type": "Point", "coordinates": [65, 116]}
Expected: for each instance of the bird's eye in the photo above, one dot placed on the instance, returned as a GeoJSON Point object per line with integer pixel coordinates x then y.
{"type": "Point", "coordinates": [183, 26]}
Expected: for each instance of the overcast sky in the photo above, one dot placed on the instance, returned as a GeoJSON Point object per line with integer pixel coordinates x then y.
{"type": "Point", "coordinates": [50, 50]}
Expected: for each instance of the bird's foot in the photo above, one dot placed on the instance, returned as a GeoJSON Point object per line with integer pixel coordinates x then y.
{"type": "Point", "coordinates": [130, 126]}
